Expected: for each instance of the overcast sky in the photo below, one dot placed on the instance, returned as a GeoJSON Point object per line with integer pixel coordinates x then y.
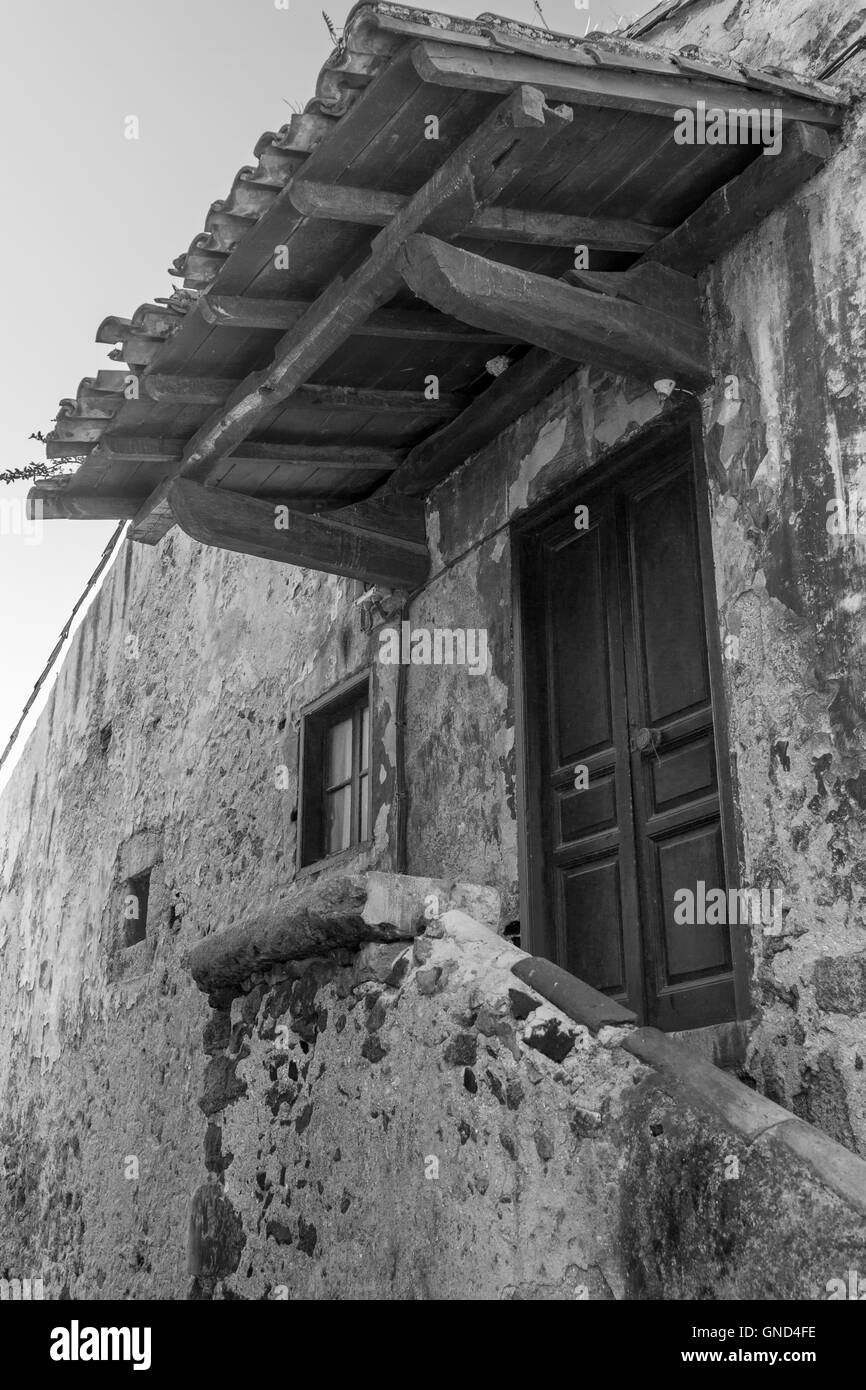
{"type": "Point", "coordinates": [93, 220]}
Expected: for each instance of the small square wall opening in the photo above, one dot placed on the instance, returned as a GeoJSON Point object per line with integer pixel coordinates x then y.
{"type": "Point", "coordinates": [135, 908]}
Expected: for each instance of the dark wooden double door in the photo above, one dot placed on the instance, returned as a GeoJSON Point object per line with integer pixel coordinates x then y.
{"type": "Point", "coordinates": [628, 784]}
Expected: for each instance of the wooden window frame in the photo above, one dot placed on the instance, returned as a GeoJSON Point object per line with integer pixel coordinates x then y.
{"type": "Point", "coordinates": [352, 697]}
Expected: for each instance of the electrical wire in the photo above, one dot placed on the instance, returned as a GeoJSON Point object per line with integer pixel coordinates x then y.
{"type": "Point", "coordinates": [104, 559]}
{"type": "Point", "coordinates": [842, 58]}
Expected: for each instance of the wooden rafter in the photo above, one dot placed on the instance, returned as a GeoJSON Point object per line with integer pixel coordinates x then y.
{"type": "Point", "coordinates": [196, 390]}
{"type": "Point", "coordinates": [370, 207]}
{"type": "Point", "coordinates": [472, 177]}
{"type": "Point", "coordinates": [131, 449]}
{"type": "Point", "coordinates": [740, 204]}
{"type": "Point", "coordinates": [274, 531]}
{"type": "Point", "coordinates": [580, 80]}
{"type": "Point", "coordinates": [91, 506]}
{"type": "Point", "coordinates": [240, 311]}
{"type": "Point", "coordinates": [508, 397]}
{"type": "Point", "coordinates": [613, 333]}
{"type": "Point", "coordinates": [654, 286]}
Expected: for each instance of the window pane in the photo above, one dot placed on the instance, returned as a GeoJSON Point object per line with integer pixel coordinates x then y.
{"type": "Point", "coordinates": [338, 761]}
{"type": "Point", "coordinates": [365, 739]}
{"type": "Point", "coordinates": [338, 820]}
{"type": "Point", "coordinates": [365, 809]}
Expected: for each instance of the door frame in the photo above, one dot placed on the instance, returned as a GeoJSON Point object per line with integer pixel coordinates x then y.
{"type": "Point", "coordinates": [680, 429]}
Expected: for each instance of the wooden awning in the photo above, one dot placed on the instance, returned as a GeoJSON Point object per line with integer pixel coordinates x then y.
{"type": "Point", "coordinates": [395, 281]}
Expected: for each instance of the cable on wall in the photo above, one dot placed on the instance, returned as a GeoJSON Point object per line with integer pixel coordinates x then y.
{"type": "Point", "coordinates": [104, 559]}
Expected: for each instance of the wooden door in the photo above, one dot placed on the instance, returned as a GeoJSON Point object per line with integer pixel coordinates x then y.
{"type": "Point", "coordinates": [628, 785]}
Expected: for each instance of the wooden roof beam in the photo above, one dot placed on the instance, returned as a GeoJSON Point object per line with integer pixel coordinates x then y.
{"type": "Point", "coordinates": [339, 203]}
{"type": "Point", "coordinates": [234, 521]}
{"type": "Point", "coordinates": [474, 175]}
{"type": "Point", "coordinates": [577, 324]}
{"type": "Point", "coordinates": [509, 396]}
{"type": "Point", "coordinates": [364, 458]}
{"type": "Point", "coordinates": [239, 311]}
{"type": "Point", "coordinates": [624, 88]}
{"type": "Point", "coordinates": [97, 506]}
{"type": "Point", "coordinates": [744, 201]}
{"type": "Point", "coordinates": [654, 286]}
{"type": "Point", "coordinates": [197, 390]}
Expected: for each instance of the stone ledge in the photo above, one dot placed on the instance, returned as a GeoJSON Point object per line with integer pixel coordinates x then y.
{"type": "Point", "coordinates": [570, 995]}
{"type": "Point", "coordinates": [837, 1167]}
{"type": "Point", "coordinates": [745, 1112]}
{"type": "Point", "coordinates": [324, 916]}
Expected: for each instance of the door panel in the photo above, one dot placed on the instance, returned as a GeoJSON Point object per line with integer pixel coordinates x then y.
{"type": "Point", "coordinates": [593, 893]}
{"type": "Point", "coordinates": [582, 724]}
{"type": "Point", "coordinates": [667, 590]}
{"type": "Point", "coordinates": [588, 830]}
{"type": "Point", "coordinates": [626, 696]}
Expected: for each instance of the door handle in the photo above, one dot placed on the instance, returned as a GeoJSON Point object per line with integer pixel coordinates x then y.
{"type": "Point", "coordinates": [646, 740]}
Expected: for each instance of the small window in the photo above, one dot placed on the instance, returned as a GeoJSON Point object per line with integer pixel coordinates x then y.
{"type": "Point", "coordinates": [335, 787]}
{"type": "Point", "coordinates": [135, 909]}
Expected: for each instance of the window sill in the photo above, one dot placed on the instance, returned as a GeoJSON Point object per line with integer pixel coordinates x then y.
{"type": "Point", "coordinates": [359, 852]}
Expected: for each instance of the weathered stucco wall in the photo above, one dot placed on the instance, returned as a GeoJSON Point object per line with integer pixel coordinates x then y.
{"type": "Point", "coordinates": [199, 660]}
{"type": "Point", "coordinates": [787, 313]}
{"type": "Point", "coordinates": [407, 1121]}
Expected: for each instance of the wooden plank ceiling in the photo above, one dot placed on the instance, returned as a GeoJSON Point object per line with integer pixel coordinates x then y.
{"type": "Point", "coordinates": [359, 259]}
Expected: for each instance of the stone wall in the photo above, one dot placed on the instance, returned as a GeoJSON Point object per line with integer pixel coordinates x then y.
{"type": "Point", "coordinates": [158, 748]}
{"type": "Point", "coordinates": [179, 700]}
{"type": "Point", "coordinates": [408, 1120]}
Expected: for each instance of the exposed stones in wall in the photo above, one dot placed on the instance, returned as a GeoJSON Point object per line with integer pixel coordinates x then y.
{"type": "Point", "coordinates": [415, 1125]}
{"type": "Point", "coordinates": [200, 661]}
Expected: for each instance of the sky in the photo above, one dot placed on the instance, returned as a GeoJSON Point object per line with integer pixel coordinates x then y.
{"type": "Point", "coordinates": [94, 219]}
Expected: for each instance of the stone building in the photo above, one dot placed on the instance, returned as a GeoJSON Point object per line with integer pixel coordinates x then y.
{"type": "Point", "coordinates": [439, 869]}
